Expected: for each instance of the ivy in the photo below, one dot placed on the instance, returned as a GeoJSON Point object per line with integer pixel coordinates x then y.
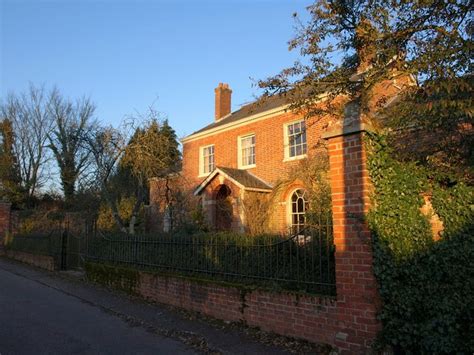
{"type": "Point", "coordinates": [455, 206]}
{"type": "Point", "coordinates": [426, 286]}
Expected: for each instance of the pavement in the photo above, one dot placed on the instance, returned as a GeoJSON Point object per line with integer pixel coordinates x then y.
{"type": "Point", "coordinates": [45, 312]}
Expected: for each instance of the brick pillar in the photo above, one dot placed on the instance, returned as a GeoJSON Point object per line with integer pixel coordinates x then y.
{"type": "Point", "coordinates": [5, 216]}
{"type": "Point", "coordinates": [357, 295]}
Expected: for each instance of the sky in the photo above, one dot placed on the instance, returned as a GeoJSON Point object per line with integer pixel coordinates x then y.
{"type": "Point", "coordinates": [127, 55]}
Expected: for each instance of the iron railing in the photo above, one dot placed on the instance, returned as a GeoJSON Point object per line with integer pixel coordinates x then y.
{"type": "Point", "coordinates": [66, 246]}
{"type": "Point", "coordinates": [37, 243]}
{"type": "Point", "coordinates": [302, 262]}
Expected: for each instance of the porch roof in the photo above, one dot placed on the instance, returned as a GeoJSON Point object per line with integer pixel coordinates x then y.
{"type": "Point", "coordinates": [242, 178]}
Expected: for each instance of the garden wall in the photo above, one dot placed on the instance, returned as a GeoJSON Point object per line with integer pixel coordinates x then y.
{"type": "Point", "coordinates": [42, 261]}
{"type": "Point", "coordinates": [282, 313]}
{"type": "Point", "coordinates": [290, 314]}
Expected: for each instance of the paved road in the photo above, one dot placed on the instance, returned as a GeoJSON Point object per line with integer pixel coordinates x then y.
{"type": "Point", "coordinates": [48, 313]}
{"type": "Point", "coordinates": [38, 319]}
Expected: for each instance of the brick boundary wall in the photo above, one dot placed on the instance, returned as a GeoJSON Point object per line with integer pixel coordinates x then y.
{"type": "Point", "coordinates": [301, 316]}
{"type": "Point", "coordinates": [42, 261]}
{"type": "Point", "coordinates": [290, 314]}
{"type": "Point", "coordinates": [8, 224]}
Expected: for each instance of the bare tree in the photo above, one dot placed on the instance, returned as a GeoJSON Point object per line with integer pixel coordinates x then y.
{"type": "Point", "coordinates": [73, 123]}
{"type": "Point", "coordinates": [107, 146]}
{"type": "Point", "coordinates": [31, 124]}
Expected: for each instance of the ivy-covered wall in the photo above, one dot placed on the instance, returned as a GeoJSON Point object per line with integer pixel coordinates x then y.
{"type": "Point", "coordinates": [426, 283]}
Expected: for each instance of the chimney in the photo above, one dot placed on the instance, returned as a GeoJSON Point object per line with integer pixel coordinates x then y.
{"type": "Point", "coordinates": [223, 99]}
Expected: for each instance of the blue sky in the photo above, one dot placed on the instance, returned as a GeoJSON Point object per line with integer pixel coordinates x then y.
{"type": "Point", "coordinates": [128, 54]}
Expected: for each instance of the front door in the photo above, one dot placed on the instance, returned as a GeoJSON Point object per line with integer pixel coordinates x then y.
{"type": "Point", "coordinates": [224, 210]}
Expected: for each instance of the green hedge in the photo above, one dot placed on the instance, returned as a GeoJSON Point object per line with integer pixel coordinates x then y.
{"type": "Point", "coordinates": [427, 286]}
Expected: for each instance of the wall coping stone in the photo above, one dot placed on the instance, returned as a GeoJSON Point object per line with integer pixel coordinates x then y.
{"type": "Point", "coordinates": [348, 130]}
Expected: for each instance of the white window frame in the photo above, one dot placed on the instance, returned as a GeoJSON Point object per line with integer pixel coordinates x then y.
{"type": "Point", "coordinates": [291, 225]}
{"type": "Point", "coordinates": [239, 152]}
{"type": "Point", "coordinates": [202, 171]}
{"type": "Point", "coordinates": [286, 142]}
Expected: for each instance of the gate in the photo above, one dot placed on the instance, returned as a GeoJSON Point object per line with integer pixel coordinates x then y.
{"type": "Point", "coordinates": [74, 241]}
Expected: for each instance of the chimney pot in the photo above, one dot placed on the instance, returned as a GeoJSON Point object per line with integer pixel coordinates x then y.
{"type": "Point", "coordinates": [223, 95]}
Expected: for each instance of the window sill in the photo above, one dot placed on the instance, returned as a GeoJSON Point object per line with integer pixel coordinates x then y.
{"type": "Point", "coordinates": [204, 175]}
{"type": "Point", "coordinates": [248, 166]}
{"type": "Point", "coordinates": [298, 157]}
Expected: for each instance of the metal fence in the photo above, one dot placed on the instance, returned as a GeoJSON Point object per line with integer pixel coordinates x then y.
{"type": "Point", "coordinates": [303, 262]}
{"type": "Point", "coordinates": [65, 245]}
{"type": "Point", "coordinates": [37, 243]}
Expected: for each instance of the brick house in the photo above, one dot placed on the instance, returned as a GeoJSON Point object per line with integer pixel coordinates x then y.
{"type": "Point", "coordinates": [243, 153]}
{"type": "Point", "coordinates": [248, 152]}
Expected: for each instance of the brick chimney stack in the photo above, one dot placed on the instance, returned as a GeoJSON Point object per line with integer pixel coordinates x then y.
{"type": "Point", "coordinates": [223, 100]}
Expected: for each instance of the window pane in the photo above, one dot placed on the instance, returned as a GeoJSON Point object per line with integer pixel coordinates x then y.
{"type": "Point", "coordinates": [296, 139]}
{"type": "Point", "coordinates": [211, 161]}
{"type": "Point", "coordinates": [298, 150]}
{"type": "Point", "coordinates": [297, 128]}
{"type": "Point", "coordinates": [247, 146]}
{"type": "Point", "coordinates": [252, 155]}
{"type": "Point", "coordinates": [301, 219]}
{"type": "Point", "coordinates": [298, 209]}
{"type": "Point", "coordinates": [300, 205]}
{"type": "Point", "coordinates": [294, 219]}
{"type": "Point", "coordinates": [208, 159]}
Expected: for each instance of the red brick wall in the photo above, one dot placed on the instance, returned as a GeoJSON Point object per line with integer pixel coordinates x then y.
{"type": "Point", "coordinates": [302, 316]}
{"type": "Point", "coordinates": [269, 147]}
{"type": "Point", "coordinates": [42, 261]}
{"type": "Point", "coordinates": [316, 319]}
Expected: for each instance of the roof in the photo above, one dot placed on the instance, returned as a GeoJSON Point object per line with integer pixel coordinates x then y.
{"type": "Point", "coordinates": [241, 178]}
{"type": "Point", "coordinates": [253, 108]}
{"type": "Point", "coordinates": [260, 106]}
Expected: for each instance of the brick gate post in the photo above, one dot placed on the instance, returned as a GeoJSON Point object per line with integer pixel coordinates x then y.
{"type": "Point", "coordinates": [357, 294]}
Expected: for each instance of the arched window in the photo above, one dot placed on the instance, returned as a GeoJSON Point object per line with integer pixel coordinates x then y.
{"type": "Point", "coordinates": [299, 205]}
